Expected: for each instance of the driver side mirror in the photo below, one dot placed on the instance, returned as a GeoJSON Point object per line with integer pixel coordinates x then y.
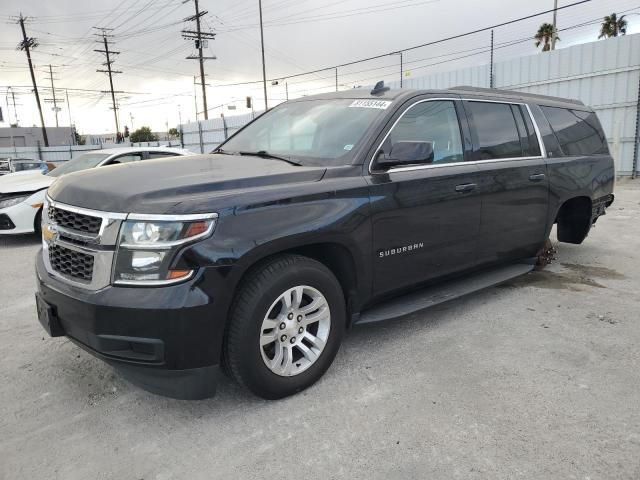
{"type": "Point", "coordinates": [406, 153]}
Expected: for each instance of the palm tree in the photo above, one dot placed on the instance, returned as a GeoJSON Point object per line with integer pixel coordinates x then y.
{"type": "Point", "coordinates": [612, 26]}
{"type": "Point", "coordinates": [545, 35]}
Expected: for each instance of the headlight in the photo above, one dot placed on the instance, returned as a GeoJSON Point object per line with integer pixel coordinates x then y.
{"type": "Point", "coordinates": [10, 202]}
{"type": "Point", "coordinates": [148, 246]}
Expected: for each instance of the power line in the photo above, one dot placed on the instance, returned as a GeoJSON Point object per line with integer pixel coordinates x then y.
{"type": "Point", "coordinates": [335, 15]}
{"type": "Point", "coordinates": [414, 47]}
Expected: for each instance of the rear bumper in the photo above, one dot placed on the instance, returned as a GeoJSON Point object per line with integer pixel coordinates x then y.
{"type": "Point", "coordinates": [600, 205]}
{"type": "Point", "coordinates": [166, 340]}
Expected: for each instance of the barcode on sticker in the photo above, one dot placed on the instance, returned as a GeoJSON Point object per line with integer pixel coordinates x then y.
{"type": "Point", "coordinates": [381, 104]}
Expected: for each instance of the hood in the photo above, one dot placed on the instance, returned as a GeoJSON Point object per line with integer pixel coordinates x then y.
{"type": "Point", "coordinates": [27, 181]}
{"type": "Point", "coordinates": [176, 185]}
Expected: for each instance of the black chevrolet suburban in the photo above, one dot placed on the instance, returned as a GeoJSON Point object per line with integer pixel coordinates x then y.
{"type": "Point", "coordinates": [322, 213]}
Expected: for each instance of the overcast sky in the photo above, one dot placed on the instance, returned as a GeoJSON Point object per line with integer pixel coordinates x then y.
{"type": "Point", "coordinates": [300, 35]}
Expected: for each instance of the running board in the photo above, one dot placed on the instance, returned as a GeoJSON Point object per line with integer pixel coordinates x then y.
{"type": "Point", "coordinates": [416, 301]}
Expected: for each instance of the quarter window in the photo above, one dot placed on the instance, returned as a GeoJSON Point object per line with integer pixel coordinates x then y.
{"type": "Point", "coordinates": [435, 122]}
{"type": "Point", "coordinates": [578, 132]}
{"type": "Point", "coordinates": [496, 132]}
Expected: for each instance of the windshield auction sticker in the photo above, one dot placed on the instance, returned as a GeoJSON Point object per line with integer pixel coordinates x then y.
{"type": "Point", "coordinates": [381, 104]}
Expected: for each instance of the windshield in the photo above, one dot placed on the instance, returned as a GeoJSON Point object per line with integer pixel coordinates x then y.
{"type": "Point", "coordinates": [313, 132]}
{"type": "Point", "coordinates": [21, 166]}
{"type": "Point", "coordinates": [84, 161]}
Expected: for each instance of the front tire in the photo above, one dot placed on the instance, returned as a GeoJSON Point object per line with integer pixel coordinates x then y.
{"type": "Point", "coordinates": [286, 326]}
{"type": "Point", "coordinates": [37, 223]}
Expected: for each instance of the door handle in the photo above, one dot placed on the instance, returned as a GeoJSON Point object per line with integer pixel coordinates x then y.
{"type": "Point", "coordinates": [465, 187]}
{"type": "Point", "coordinates": [536, 177]}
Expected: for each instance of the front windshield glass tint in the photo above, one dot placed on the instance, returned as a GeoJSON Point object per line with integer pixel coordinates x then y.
{"type": "Point", "coordinates": [84, 161]}
{"type": "Point", "coordinates": [311, 132]}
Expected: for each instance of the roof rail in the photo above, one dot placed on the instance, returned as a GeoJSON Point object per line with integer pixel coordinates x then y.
{"type": "Point", "coordinates": [513, 93]}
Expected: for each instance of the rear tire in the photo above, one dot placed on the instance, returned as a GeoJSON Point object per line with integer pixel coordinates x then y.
{"type": "Point", "coordinates": [286, 325]}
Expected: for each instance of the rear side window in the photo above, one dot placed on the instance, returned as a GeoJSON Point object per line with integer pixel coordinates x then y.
{"type": "Point", "coordinates": [496, 130]}
{"type": "Point", "coordinates": [161, 154]}
{"type": "Point", "coordinates": [551, 144]}
{"type": "Point", "coordinates": [530, 144]}
{"type": "Point", "coordinates": [127, 158]}
{"type": "Point", "coordinates": [578, 132]}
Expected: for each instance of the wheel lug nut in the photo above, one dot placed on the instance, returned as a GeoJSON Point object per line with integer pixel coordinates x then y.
{"type": "Point", "coordinates": [300, 330]}
{"type": "Point", "coordinates": [293, 340]}
{"type": "Point", "coordinates": [290, 316]}
{"type": "Point", "coordinates": [299, 318]}
{"type": "Point", "coordinates": [283, 326]}
{"type": "Point", "coordinates": [283, 338]}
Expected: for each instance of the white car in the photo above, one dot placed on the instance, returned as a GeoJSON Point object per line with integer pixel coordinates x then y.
{"type": "Point", "coordinates": [22, 193]}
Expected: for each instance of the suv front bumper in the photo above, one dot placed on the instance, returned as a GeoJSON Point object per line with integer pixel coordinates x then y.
{"type": "Point", "coordinates": [166, 340]}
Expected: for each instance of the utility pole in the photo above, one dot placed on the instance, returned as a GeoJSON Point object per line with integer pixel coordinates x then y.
{"type": "Point", "coordinates": [401, 69]}
{"type": "Point", "coordinates": [491, 63]}
{"type": "Point", "coordinates": [264, 69]}
{"type": "Point", "coordinates": [555, 15]}
{"type": "Point", "coordinates": [15, 109]}
{"type": "Point", "coordinates": [73, 133]}
{"type": "Point", "coordinates": [53, 91]}
{"type": "Point", "coordinates": [201, 41]}
{"type": "Point", "coordinates": [26, 44]}
{"type": "Point", "coordinates": [110, 72]}
{"type": "Point", "coordinates": [195, 96]}
{"type": "Point", "coordinates": [180, 126]}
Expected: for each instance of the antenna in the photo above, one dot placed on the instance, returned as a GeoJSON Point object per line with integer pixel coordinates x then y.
{"type": "Point", "coordinates": [379, 89]}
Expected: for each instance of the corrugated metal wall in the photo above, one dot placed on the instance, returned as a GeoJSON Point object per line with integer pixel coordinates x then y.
{"type": "Point", "coordinates": [48, 154]}
{"type": "Point", "coordinates": [603, 74]}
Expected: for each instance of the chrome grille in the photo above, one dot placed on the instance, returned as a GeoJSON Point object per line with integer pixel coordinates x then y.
{"type": "Point", "coordinates": [71, 263]}
{"type": "Point", "coordinates": [75, 221]}
{"type": "Point", "coordinates": [78, 244]}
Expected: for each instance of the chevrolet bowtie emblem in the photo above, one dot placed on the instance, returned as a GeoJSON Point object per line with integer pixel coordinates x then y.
{"type": "Point", "coordinates": [49, 234]}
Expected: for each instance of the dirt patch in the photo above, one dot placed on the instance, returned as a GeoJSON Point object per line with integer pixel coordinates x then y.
{"type": "Point", "coordinates": [572, 278]}
{"type": "Point", "coordinates": [591, 271]}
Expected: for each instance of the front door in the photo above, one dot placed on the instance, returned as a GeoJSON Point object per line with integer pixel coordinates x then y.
{"type": "Point", "coordinates": [425, 218]}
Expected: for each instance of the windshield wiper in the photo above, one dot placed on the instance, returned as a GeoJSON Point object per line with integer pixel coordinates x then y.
{"type": "Point", "coordinates": [265, 154]}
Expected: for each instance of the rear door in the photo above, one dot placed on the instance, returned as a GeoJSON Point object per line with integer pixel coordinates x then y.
{"type": "Point", "coordinates": [514, 185]}
{"type": "Point", "coordinates": [425, 218]}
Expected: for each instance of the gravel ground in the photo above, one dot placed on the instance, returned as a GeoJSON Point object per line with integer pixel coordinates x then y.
{"type": "Point", "coordinates": [538, 378]}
